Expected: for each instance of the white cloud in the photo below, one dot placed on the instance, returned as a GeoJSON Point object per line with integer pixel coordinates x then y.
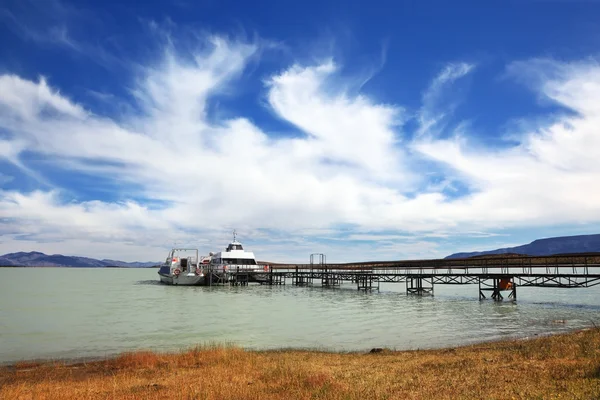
{"type": "Point", "coordinates": [548, 178]}
{"type": "Point", "coordinates": [352, 131]}
{"type": "Point", "coordinates": [368, 237]}
{"type": "Point", "coordinates": [352, 165]}
{"type": "Point", "coordinates": [27, 100]}
{"type": "Point", "coordinates": [436, 106]}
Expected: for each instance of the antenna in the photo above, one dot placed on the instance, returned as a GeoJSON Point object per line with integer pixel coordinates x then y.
{"type": "Point", "coordinates": [234, 235]}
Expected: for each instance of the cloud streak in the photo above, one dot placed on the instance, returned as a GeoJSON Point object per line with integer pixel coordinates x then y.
{"type": "Point", "coordinates": [435, 105]}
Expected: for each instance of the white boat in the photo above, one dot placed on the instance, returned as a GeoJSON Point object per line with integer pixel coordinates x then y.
{"type": "Point", "coordinates": [182, 267]}
{"type": "Point", "coordinates": [235, 260]}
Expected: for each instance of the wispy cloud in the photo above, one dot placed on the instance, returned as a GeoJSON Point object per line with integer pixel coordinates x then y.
{"type": "Point", "coordinates": [436, 104]}
{"type": "Point", "coordinates": [5, 178]}
{"type": "Point", "coordinates": [25, 21]}
{"type": "Point", "coordinates": [50, 23]}
{"type": "Point", "coordinates": [549, 175]}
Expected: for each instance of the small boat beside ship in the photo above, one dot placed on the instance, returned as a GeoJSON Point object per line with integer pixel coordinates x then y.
{"type": "Point", "coordinates": [184, 267]}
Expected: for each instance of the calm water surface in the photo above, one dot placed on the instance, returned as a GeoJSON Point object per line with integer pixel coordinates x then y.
{"type": "Point", "coordinates": [49, 313]}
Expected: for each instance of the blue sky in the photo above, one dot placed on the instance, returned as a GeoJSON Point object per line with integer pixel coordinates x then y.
{"type": "Point", "coordinates": [363, 130]}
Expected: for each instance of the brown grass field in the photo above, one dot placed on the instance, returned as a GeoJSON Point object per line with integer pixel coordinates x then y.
{"type": "Point", "coordinates": [555, 367]}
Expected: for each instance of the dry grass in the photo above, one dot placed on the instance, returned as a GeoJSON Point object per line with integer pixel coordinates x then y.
{"type": "Point", "coordinates": [562, 366]}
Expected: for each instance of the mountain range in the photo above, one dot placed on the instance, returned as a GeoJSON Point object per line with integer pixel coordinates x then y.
{"type": "Point", "coordinates": [545, 247]}
{"type": "Point", "coordinates": [540, 247]}
{"type": "Point", "coordinates": [37, 259]}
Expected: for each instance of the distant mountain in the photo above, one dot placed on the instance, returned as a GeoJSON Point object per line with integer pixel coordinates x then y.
{"type": "Point", "coordinates": [135, 264]}
{"type": "Point", "coordinates": [546, 247]}
{"type": "Point", "coordinates": [37, 259]}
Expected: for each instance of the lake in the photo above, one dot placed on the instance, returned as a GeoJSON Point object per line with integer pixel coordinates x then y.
{"type": "Point", "coordinates": [65, 313]}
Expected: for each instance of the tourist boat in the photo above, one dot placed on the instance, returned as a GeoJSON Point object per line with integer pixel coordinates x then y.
{"type": "Point", "coordinates": [235, 260]}
{"type": "Point", "coordinates": [182, 267]}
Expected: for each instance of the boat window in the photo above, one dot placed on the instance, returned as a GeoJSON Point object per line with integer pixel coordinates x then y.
{"type": "Point", "coordinates": [238, 261]}
{"type": "Point", "coordinates": [184, 264]}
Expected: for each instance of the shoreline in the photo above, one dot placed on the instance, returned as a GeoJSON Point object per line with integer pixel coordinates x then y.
{"type": "Point", "coordinates": [324, 350]}
{"type": "Point", "coordinates": [566, 364]}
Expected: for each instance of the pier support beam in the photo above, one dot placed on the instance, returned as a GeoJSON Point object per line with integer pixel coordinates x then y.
{"type": "Point", "coordinates": [419, 285]}
{"type": "Point", "coordinates": [275, 279]}
{"type": "Point", "coordinates": [239, 278]}
{"type": "Point", "coordinates": [366, 282]}
{"type": "Point", "coordinates": [216, 278]}
{"type": "Point", "coordinates": [329, 279]}
{"type": "Point", "coordinates": [302, 278]}
{"type": "Point", "coordinates": [496, 286]}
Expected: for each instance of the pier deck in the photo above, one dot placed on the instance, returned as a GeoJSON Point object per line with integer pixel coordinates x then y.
{"type": "Point", "coordinates": [493, 275]}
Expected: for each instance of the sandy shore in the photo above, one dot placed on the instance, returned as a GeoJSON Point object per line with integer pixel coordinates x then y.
{"type": "Point", "coordinates": [561, 366]}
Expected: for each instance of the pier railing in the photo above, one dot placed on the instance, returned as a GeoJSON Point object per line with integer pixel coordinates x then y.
{"type": "Point", "coordinates": [580, 264]}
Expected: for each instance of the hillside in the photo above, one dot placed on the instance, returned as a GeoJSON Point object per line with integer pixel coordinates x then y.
{"type": "Point", "coordinates": [545, 247]}
{"type": "Point", "coordinates": [37, 259]}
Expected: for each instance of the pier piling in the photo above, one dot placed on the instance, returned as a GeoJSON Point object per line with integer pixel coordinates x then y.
{"type": "Point", "coordinates": [419, 285]}
{"type": "Point", "coordinates": [497, 286]}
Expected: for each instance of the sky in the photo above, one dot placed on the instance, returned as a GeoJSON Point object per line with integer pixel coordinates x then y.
{"type": "Point", "coordinates": [377, 130]}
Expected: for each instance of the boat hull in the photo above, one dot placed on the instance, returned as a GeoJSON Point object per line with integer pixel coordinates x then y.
{"type": "Point", "coordinates": [259, 277]}
{"type": "Point", "coordinates": [182, 279]}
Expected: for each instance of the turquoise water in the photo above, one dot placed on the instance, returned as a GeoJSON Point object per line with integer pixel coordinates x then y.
{"type": "Point", "coordinates": [56, 313]}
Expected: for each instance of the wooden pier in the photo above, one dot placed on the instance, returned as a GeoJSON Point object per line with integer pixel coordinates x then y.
{"type": "Point", "coordinates": [496, 277]}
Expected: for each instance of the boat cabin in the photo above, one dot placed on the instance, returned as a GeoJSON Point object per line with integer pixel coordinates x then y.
{"type": "Point", "coordinates": [185, 260]}
{"type": "Point", "coordinates": [234, 254]}
{"type": "Point", "coordinates": [234, 246]}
